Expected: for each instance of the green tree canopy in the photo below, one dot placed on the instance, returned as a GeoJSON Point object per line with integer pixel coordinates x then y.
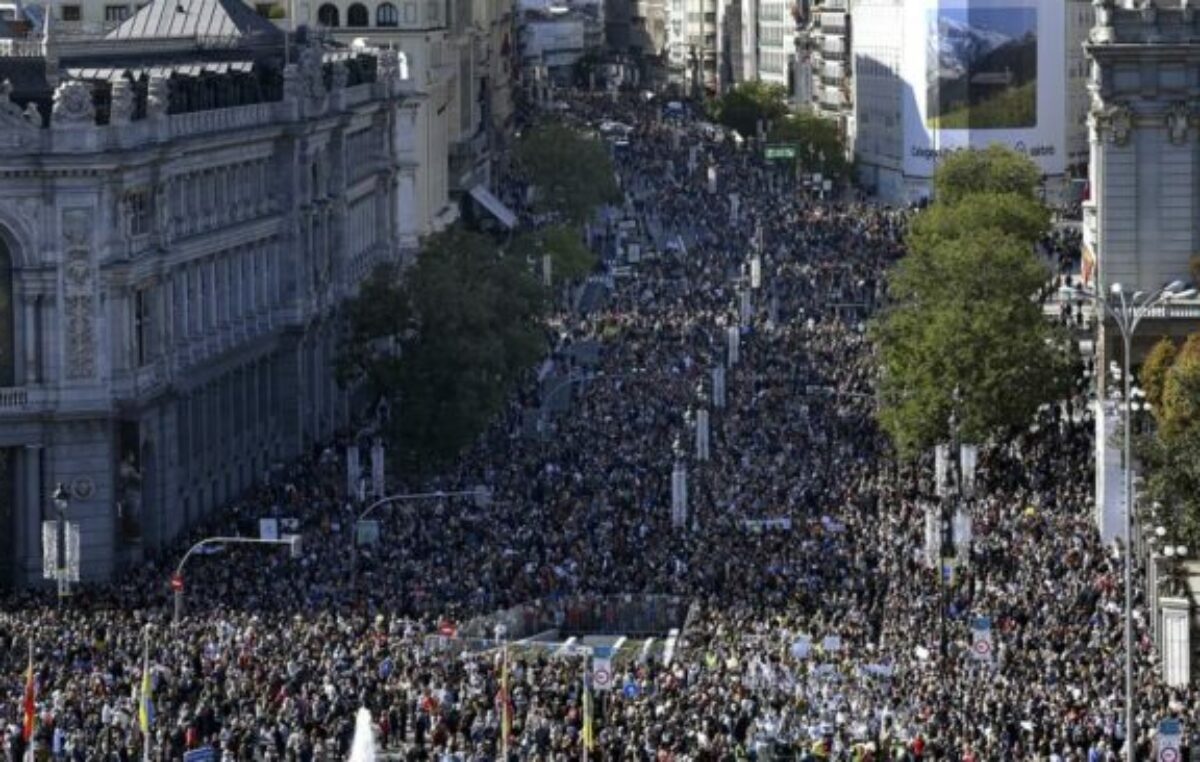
{"type": "Point", "coordinates": [1018, 216]}
{"type": "Point", "coordinates": [743, 106]}
{"type": "Point", "coordinates": [964, 318]}
{"type": "Point", "coordinates": [1154, 372]}
{"type": "Point", "coordinates": [964, 333]}
{"type": "Point", "coordinates": [1180, 408]}
{"type": "Point", "coordinates": [467, 323]}
{"type": "Point", "coordinates": [570, 258]}
{"type": "Point", "coordinates": [821, 148]}
{"type": "Point", "coordinates": [573, 174]}
{"type": "Point", "coordinates": [995, 169]}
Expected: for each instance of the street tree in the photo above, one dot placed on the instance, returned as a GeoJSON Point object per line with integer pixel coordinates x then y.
{"type": "Point", "coordinates": [995, 169]}
{"type": "Point", "coordinates": [443, 343]}
{"type": "Point", "coordinates": [572, 173]}
{"type": "Point", "coordinates": [1018, 216]}
{"type": "Point", "coordinates": [820, 147]}
{"type": "Point", "coordinates": [964, 336]}
{"type": "Point", "coordinates": [1154, 372]}
{"type": "Point", "coordinates": [570, 258]}
{"type": "Point", "coordinates": [747, 104]}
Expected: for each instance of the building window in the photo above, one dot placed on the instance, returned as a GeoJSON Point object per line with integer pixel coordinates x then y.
{"type": "Point", "coordinates": [141, 325]}
{"type": "Point", "coordinates": [387, 15]}
{"type": "Point", "coordinates": [116, 13]}
{"type": "Point", "coordinates": [137, 211]}
{"type": "Point", "coordinates": [72, 13]}
{"type": "Point", "coordinates": [356, 15]}
{"type": "Point", "coordinates": [327, 15]}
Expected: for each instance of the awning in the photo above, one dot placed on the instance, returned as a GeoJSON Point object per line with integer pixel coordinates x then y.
{"type": "Point", "coordinates": [484, 198]}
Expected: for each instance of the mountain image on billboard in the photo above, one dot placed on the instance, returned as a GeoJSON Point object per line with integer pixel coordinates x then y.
{"type": "Point", "coordinates": [981, 68]}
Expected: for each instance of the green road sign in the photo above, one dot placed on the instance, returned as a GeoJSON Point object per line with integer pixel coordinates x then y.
{"type": "Point", "coordinates": [776, 153]}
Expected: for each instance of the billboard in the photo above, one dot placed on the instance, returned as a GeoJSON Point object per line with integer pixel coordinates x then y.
{"type": "Point", "coordinates": [979, 72]}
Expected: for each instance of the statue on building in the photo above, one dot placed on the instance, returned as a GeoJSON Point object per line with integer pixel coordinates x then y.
{"type": "Point", "coordinates": [129, 496]}
{"type": "Point", "coordinates": [1178, 122]}
{"type": "Point", "coordinates": [73, 105]}
{"type": "Point", "coordinates": [122, 104]}
{"type": "Point", "coordinates": [341, 76]}
{"type": "Point", "coordinates": [158, 97]}
{"type": "Point", "coordinates": [312, 73]}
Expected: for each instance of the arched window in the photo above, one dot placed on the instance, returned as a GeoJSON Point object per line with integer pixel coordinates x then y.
{"type": "Point", "coordinates": [356, 15]}
{"type": "Point", "coordinates": [327, 15]}
{"type": "Point", "coordinates": [387, 15]}
{"type": "Point", "coordinates": [8, 344]}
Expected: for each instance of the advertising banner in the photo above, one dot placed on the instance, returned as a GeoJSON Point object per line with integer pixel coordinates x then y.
{"type": "Point", "coordinates": [982, 72]}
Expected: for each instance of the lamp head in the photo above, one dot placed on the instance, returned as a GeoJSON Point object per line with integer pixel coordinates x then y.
{"type": "Point", "coordinates": [1115, 289]}
{"type": "Point", "coordinates": [1174, 287]}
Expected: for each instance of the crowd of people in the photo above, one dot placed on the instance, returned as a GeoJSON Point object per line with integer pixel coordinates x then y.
{"type": "Point", "coordinates": [817, 629]}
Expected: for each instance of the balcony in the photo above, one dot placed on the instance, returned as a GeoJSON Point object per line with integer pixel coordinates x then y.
{"type": "Point", "coordinates": [23, 400]}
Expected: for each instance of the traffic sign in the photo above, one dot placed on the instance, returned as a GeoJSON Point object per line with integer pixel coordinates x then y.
{"type": "Point", "coordinates": [1169, 740]}
{"type": "Point", "coordinates": [177, 583]}
{"type": "Point", "coordinates": [779, 152]}
{"type": "Point", "coordinates": [631, 690]}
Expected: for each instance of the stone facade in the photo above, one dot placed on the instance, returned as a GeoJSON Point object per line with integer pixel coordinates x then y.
{"type": "Point", "coordinates": [1140, 225]}
{"type": "Point", "coordinates": [174, 280]}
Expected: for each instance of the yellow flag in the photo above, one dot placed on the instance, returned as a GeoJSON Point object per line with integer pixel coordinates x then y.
{"type": "Point", "coordinates": [589, 730]}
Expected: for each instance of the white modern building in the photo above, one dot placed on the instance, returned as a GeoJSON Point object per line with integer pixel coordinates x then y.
{"type": "Point", "coordinates": [829, 62]}
{"type": "Point", "coordinates": [175, 241]}
{"type": "Point", "coordinates": [775, 41]}
{"type": "Point", "coordinates": [934, 76]}
{"type": "Point", "coordinates": [692, 42]}
{"type": "Point", "coordinates": [554, 39]}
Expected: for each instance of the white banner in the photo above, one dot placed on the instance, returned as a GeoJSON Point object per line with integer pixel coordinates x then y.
{"type": "Point", "coordinates": [268, 529]}
{"type": "Point", "coordinates": [602, 674]}
{"type": "Point", "coordinates": [353, 471]}
{"type": "Point", "coordinates": [49, 549]}
{"type": "Point", "coordinates": [679, 496]}
{"type": "Point", "coordinates": [941, 468]}
{"type": "Point", "coordinates": [968, 459]}
{"type": "Point", "coordinates": [981, 639]}
{"type": "Point", "coordinates": [377, 482]}
{"type": "Point", "coordinates": [735, 337]}
{"type": "Point", "coordinates": [756, 271]}
{"type": "Point", "coordinates": [702, 441]}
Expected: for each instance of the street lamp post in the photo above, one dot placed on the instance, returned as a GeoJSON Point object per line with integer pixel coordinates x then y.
{"type": "Point", "coordinates": [292, 541]}
{"type": "Point", "coordinates": [482, 496]}
{"type": "Point", "coordinates": [62, 501]}
{"type": "Point", "coordinates": [1127, 311]}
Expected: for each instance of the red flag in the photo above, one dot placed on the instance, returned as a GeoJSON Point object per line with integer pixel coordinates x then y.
{"type": "Point", "coordinates": [30, 704]}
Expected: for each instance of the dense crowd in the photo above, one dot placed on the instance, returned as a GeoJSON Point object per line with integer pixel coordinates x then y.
{"type": "Point", "coordinates": [276, 654]}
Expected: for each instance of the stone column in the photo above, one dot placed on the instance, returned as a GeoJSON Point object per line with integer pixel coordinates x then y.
{"type": "Point", "coordinates": [29, 515]}
{"type": "Point", "coordinates": [29, 310]}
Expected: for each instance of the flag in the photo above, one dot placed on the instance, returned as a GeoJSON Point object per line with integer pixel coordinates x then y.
{"type": "Point", "coordinates": [30, 703]}
{"type": "Point", "coordinates": [589, 730]}
{"type": "Point", "coordinates": [505, 705]}
{"type": "Point", "coordinates": [146, 695]}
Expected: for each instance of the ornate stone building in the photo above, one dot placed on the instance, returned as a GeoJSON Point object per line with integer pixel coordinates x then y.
{"type": "Point", "coordinates": [1141, 222]}
{"type": "Point", "coordinates": [179, 221]}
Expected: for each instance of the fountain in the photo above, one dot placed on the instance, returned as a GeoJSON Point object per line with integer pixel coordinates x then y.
{"type": "Point", "coordinates": [363, 748]}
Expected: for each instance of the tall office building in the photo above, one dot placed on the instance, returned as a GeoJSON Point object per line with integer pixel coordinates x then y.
{"type": "Point", "coordinates": [931, 76]}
